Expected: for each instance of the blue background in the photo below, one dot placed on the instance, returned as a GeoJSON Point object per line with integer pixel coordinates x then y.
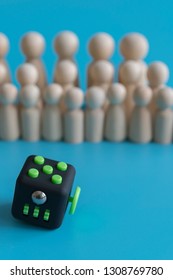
{"type": "Point", "coordinates": [125, 210]}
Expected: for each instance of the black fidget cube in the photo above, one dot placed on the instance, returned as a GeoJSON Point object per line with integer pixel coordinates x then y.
{"type": "Point", "coordinates": [42, 191]}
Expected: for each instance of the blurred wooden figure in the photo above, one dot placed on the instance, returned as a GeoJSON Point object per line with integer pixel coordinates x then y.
{"type": "Point", "coordinates": [140, 130]}
{"type": "Point", "coordinates": [4, 47]}
{"type": "Point", "coordinates": [115, 122]}
{"type": "Point", "coordinates": [163, 126]}
{"type": "Point", "coordinates": [66, 44]}
{"type": "Point", "coordinates": [101, 47]}
{"type": "Point", "coordinates": [30, 113]}
{"type": "Point", "coordinates": [9, 125]}
{"type": "Point", "coordinates": [102, 74]}
{"type": "Point", "coordinates": [27, 74]}
{"type": "Point", "coordinates": [74, 116]}
{"type": "Point", "coordinates": [134, 46]}
{"type": "Point", "coordinates": [94, 114]}
{"type": "Point", "coordinates": [158, 75]}
{"type": "Point", "coordinates": [66, 74]}
{"type": "Point", "coordinates": [52, 119]}
{"type": "Point", "coordinates": [32, 46]}
{"type": "Point", "coordinates": [130, 73]}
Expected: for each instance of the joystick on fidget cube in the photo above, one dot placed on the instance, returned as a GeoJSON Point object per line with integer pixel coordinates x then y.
{"type": "Point", "coordinates": [43, 190]}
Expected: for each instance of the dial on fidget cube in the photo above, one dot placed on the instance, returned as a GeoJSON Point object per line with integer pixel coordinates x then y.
{"type": "Point", "coordinates": [42, 192]}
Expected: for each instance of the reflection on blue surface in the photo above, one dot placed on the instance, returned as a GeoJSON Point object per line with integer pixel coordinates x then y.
{"type": "Point", "coordinates": [124, 212]}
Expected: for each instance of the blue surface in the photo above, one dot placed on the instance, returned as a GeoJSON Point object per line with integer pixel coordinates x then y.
{"type": "Point", "coordinates": [125, 210]}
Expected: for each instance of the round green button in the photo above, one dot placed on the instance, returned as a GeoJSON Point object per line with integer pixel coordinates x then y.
{"type": "Point", "coordinates": [33, 173]}
{"type": "Point", "coordinates": [39, 160]}
{"type": "Point", "coordinates": [56, 179]}
{"type": "Point", "coordinates": [47, 169]}
{"type": "Point", "coordinates": [62, 166]}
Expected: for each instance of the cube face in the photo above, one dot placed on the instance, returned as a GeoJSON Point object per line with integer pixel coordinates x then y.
{"type": "Point", "coordinates": [42, 191]}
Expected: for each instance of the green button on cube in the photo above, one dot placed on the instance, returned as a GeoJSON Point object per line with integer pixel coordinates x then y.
{"type": "Point", "coordinates": [62, 166]}
{"type": "Point", "coordinates": [26, 209]}
{"type": "Point", "coordinates": [56, 179]}
{"type": "Point", "coordinates": [39, 160]}
{"type": "Point", "coordinates": [33, 173]}
{"type": "Point", "coordinates": [36, 212]}
{"type": "Point", "coordinates": [48, 169]}
{"type": "Point", "coordinates": [46, 215]}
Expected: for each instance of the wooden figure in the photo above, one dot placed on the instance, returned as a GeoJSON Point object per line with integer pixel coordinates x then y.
{"type": "Point", "coordinates": [115, 122]}
{"type": "Point", "coordinates": [158, 75]}
{"type": "Point", "coordinates": [52, 119]}
{"type": "Point", "coordinates": [102, 74]}
{"type": "Point", "coordinates": [74, 116]}
{"type": "Point", "coordinates": [141, 124]}
{"type": "Point", "coordinates": [101, 47]}
{"type": "Point", "coordinates": [4, 47]}
{"type": "Point", "coordinates": [32, 46]}
{"type": "Point", "coordinates": [30, 113]}
{"type": "Point", "coordinates": [135, 46]}
{"type": "Point", "coordinates": [130, 74]}
{"type": "Point", "coordinates": [66, 74]}
{"type": "Point", "coordinates": [27, 74]}
{"type": "Point", "coordinates": [163, 126]}
{"type": "Point", "coordinates": [66, 44]}
{"type": "Point", "coordinates": [94, 114]}
{"type": "Point", "coordinates": [9, 124]}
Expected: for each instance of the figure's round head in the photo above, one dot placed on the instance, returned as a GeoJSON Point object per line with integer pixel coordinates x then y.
{"type": "Point", "coordinates": [53, 94]}
{"type": "Point", "coordinates": [32, 45]}
{"type": "Point", "coordinates": [74, 98]}
{"type": "Point", "coordinates": [4, 45]}
{"type": "Point", "coordinates": [27, 74]}
{"type": "Point", "coordinates": [29, 96]}
{"type": "Point", "coordinates": [142, 95]}
{"type": "Point", "coordinates": [101, 46]}
{"type": "Point", "coordinates": [66, 44]}
{"type": "Point", "coordinates": [116, 93]}
{"type": "Point", "coordinates": [130, 72]}
{"type": "Point", "coordinates": [3, 73]}
{"type": "Point", "coordinates": [8, 94]}
{"type": "Point", "coordinates": [102, 71]}
{"type": "Point", "coordinates": [134, 46]}
{"type": "Point", "coordinates": [66, 72]}
{"type": "Point", "coordinates": [95, 97]}
{"type": "Point", "coordinates": [164, 98]}
{"type": "Point", "coordinates": [158, 73]}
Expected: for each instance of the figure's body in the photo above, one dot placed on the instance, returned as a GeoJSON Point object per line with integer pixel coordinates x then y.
{"type": "Point", "coordinates": [4, 47]}
{"type": "Point", "coordinates": [130, 73]}
{"type": "Point", "coordinates": [51, 117]}
{"type": "Point", "coordinates": [135, 46]}
{"type": "Point", "coordinates": [94, 114]}
{"type": "Point", "coordinates": [9, 122]}
{"type": "Point", "coordinates": [115, 122]}
{"type": "Point", "coordinates": [2, 74]}
{"type": "Point", "coordinates": [140, 130]}
{"type": "Point", "coordinates": [66, 44]}
{"type": "Point", "coordinates": [30, 113]}
{"type": "Point", "coordinates": [163, 125]}
{"type": "Point", "coordinates": [101, 47]}
{"type": "Point", "coordinates": [74, 116]}
{"type": "Point", "coordinates": [32, 46]}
